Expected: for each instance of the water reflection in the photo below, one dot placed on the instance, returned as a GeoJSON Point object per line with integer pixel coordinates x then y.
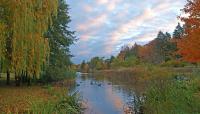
{"type": "Point", "coordinates": [103, 96]}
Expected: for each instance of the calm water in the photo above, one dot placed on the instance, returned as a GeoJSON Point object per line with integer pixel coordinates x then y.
{"type": "Point", "coordinates": [102, 96]}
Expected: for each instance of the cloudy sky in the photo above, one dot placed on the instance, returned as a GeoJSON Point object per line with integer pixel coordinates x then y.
{"type": "Point", "coordinates": [103, 26]}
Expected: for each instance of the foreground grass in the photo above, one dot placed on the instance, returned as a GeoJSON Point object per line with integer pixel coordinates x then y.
{"type": "Point", "coordinates": [37, 100]}
{"type": "Point", "coordinates": [18, 99]}
{"type": "Point", "coordinates": [174, 96]}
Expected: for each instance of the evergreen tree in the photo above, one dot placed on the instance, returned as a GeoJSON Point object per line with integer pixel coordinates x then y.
{"type": "Point", "coordinates": [178, 32]}
{"type": "Point", "coordinates": [168, 36]}
{"type": "Point", "coordinates": [135, 50]}
{"type": "Point", "coordinates": [160, 35]}
{"type": "Point", "coordinates": [60, 38]}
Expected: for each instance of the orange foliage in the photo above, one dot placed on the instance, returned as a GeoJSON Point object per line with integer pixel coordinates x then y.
{"type": "Point", "coordinates": [189, 46]}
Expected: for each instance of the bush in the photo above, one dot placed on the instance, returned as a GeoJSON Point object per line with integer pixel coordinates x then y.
{"type": "Point", "coordinates": [174, 63]}
{"type": "Point", "coordinates": [53, 74]}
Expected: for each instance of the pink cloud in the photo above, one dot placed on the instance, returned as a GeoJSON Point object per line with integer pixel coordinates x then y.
{"type": "Point", "coordinates": [124, 29]}
{"type": "Point", "coordinates": [112, 4]}
{"type": "Point", "coordinates": [87, 8]}
{"type": "Point", "coordinates": [92, 23]}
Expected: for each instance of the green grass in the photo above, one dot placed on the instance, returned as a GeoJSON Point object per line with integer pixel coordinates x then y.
{"type": "Point", "coordinates": [65, 104]}
{"type": "Point", "coordinates": [173, 97]}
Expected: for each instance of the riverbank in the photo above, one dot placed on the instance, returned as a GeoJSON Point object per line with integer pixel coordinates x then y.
{"type": "Point", "coordinates": [140, 77]}
{"type": "Point", "coordinates": [18, 99]}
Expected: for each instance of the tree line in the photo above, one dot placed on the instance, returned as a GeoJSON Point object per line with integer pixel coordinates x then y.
{"type": "Point", "coordinates": [33, 35]}
{"type": "Point", "coordinates": [183, 46]}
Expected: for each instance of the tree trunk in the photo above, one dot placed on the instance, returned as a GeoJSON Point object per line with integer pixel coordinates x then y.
{"type": "Point", "coordinates": [8, 77]}
{"type": "Point", "coordinates": [28, 81]}
{"type": "Point", "coordinates": [17, 80]}
{"type": "Point", "coordinates": [0, 69]}
{"type": "Point", "coordinates": [23, 75]}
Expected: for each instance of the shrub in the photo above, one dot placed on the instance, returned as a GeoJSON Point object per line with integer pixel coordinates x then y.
{"type": "Point", "coordinates": [172, 97]}
{"type": "Point", "coordinates": [174, 63]}
{"type": "Point", "coordinates": [53, 74]}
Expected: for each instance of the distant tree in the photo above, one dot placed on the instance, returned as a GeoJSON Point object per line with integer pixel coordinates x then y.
{"type": "Point", "coordinates": [84, 67]}
{"type": "Point", "coordinates": [159, 50]}
{"type": "Point", "coordinates": [178, 32]}
{"type": "Point", "coordinates": [134, 51]}
{"type": "Point", "coordinates": [112, 59]}
{"type": "Point", "coordinates": [97, 63]}
{"type": "Point", "coordinates": [123, 52]}
{"type": "Point", "coordinates": [160, 35]}
{"type": "Point", "coordinates": [168, 36]}
{"type": "Point", "coordinates": [189, 46]}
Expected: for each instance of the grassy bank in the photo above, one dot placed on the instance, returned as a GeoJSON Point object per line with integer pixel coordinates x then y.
{"type": "Point", "coordinates": [38, 100]}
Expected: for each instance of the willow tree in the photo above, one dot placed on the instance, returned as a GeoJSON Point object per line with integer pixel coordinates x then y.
{"type": "Point", "coordinates": [3, 32]}
{"type": "Point", "coordinates": [28, 20]}
{"type": "Point", "coordinates": [2, 43]}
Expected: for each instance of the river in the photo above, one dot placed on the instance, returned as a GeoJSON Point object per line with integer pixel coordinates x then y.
{"type": "Point", "coordinates": [102, 96]}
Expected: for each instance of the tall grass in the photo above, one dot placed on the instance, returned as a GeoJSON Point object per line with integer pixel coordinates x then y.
{"type": "Point", "coordinates": [175, 96]}
{"type": "Point", "coordinates": [63, 104]}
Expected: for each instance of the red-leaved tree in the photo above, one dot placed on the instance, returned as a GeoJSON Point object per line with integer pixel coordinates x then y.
{"type": "Point", "coordinates": [189, 46]}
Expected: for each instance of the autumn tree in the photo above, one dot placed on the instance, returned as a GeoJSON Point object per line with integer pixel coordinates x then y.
{"type": "Point", "coordinates": [159, 50]}
{"type": "Point", "coordinates": [122, 54]}
{"type": "Point", "coordinates": [26, 47]}
{"type": "Point", "coordinates": [189, 46]}
{"type": "Point", "coordinates": [97, 63]}
{"type": "Point", "coordinates": [2, 35]}
{"type": "Point", "coordinates": [133, 51]}
{"type": "Point", "coordinates": [84, 67]}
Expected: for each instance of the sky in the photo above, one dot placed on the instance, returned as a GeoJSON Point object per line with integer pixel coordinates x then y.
{"type": "Point", "coordinates": [104, 26]}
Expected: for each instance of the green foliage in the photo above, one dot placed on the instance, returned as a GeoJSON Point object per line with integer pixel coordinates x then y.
{"type": "Point", "coordinates": [65, 104]}
{"type": "Point", "coordinates": [178, 32]}
{"type": "Point", "coordinates": [130, 61]}
{"type": "Point", "coordinates": [173, 97]}
{"type": "Point", "coordinates": [60, 38]}
{"type": "Point", "coordinates": [53, 74]}
{"type": "Point", "coordinates": [23, 48]}
{"type": "Point", "coordinates": [32, 32]}
{"type": "Point", "coordinates": [84, 67]}
{"type": "Point", "coordinates": [174, 63]}
{"type": "Point", "coordinates": [162, 49]}
{"type": "Point", "coordinates": [96, 63]}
